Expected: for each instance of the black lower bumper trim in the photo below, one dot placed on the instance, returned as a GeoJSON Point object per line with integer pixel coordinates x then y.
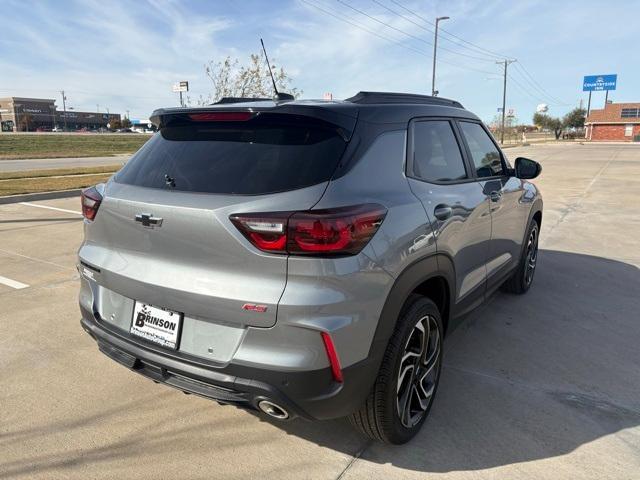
{"type": "Point", "coordinates": [311, 394]}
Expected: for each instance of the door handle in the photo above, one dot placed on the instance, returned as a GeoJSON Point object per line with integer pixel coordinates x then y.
{"type": "Point", "coordinates": [442, 212]}
{"type": "Point", "coordinates": [495, 196]}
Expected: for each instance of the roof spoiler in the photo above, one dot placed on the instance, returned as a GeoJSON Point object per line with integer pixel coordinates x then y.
{"type": "Point", "coordinates": [345, 120]}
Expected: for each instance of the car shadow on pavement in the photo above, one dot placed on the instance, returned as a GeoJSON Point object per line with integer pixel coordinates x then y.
{"type": "Point", "coordinates": [529, 377]}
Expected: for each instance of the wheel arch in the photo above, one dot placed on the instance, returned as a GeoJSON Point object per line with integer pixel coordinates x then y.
{"type": "Point", "coordinates": [433, 276]}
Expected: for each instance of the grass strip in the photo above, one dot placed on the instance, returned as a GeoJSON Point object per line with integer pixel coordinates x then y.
{"type": "Point", "coordinates": [57, 172]}
{"type": "Point", "coordinates": [49, 184]}
{"type": "Point", "coordinates": [16, 146]}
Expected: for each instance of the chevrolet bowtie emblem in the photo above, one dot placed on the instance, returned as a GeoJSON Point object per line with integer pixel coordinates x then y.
{"type": "Point", "coordinates": [148, 220]}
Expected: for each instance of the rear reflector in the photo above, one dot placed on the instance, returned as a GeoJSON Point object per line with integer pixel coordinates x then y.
{"type": "Point", "coordinates": [337, 231]}
{"type": "Point", "coordinates": [221, 117]}
{"type": "Point", "coordinates": [90, 200]}
{"type": "Point", "coordinates": [332, 355]}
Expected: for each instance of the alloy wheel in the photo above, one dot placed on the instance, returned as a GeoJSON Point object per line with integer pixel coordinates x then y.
{"type": "Point", "coordinates": [418, 372]}
{"type": "Point", "coordinates": [531, 256]}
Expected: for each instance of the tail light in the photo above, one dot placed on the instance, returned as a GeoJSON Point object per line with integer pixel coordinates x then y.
{"type": "Point", "coordinates": [337, 231]}
{"type": "Point", "coordinates": [90, 199]}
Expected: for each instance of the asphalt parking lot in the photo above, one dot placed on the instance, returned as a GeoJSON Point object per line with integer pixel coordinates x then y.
{"type": "Point", "coordinates": [546, 385]}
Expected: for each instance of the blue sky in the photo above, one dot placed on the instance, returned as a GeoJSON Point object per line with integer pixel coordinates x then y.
{"type": "Point", "coordinates": [126, 55]}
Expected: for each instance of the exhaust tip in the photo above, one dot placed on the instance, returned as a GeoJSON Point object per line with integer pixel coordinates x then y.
{"type": "Point", "coordinates": [273, 410]}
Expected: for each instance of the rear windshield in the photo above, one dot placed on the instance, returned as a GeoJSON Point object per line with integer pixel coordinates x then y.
{"type": "Point", "coordinates": [270, 153]}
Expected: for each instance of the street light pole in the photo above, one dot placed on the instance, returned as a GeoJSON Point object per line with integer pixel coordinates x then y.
{"type": "Point", "coordinates": [435, 51]}
{"type": "Point", "coordinates": [64, 109]}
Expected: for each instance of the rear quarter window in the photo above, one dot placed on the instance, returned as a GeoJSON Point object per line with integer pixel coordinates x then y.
{"type": "Point", "coordinates": [271, 153]}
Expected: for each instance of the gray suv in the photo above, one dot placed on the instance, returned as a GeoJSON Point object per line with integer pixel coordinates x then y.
{"type": "Point", "coordinates": [306, 258]}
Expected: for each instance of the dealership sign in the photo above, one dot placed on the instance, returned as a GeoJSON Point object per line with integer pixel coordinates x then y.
{"type": "Point", "coordinates": [593, 83]}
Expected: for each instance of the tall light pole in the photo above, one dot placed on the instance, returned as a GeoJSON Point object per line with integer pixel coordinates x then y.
{"type": "Point", "coordinates": [64, 108]}
{"type": "Point", "coordinates": [506, 63]}
{"type": "Point", "coordinates": [435, 50]}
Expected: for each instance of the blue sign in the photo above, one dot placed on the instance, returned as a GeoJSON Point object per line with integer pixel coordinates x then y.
{"type": "Point", "coordinates": [594, 83]}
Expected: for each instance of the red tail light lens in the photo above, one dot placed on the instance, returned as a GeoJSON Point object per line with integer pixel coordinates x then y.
{"type": "Point", "coordinates": [90, 199]}
{"type": "Point", "coordinates": [266, 231]}
{"type": "Point", "coordinates": [338, 231]}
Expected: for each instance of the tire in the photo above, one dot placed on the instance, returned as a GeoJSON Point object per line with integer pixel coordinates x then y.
{"type": "Point", "coordinates": [415, 346]}
{"type": "Point", "coordinates": [522, 278]}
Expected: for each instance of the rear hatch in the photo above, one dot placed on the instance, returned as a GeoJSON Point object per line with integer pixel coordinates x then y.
{"type": "Point", "coordinates": [183, 253]}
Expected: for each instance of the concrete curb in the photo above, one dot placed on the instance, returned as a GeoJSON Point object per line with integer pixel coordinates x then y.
{"type": "Point", "coordinates": [31, 197]}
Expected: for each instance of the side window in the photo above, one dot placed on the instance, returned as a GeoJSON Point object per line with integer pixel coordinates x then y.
{"type": "Point", "coordinates": [485, 154]}
{"type": "Point", "coordinates": [436, 153]}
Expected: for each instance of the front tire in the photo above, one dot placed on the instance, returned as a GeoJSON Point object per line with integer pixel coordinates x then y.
{"type": "Point", "coordinates": [522, 278]}
{"type": "Point", "coordinates": [406, 384]}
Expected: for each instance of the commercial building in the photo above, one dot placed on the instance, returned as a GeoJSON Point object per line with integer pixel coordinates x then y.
{"type": "Point", "coordinates": [615, 122]}
{"type": "Point", "coordinates": [19, 114]}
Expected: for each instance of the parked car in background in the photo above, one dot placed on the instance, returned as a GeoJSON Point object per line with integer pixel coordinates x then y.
{"type": "Point", "coordinates": [306, 258]}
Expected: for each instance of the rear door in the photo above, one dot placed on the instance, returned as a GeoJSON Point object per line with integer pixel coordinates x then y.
{"type": "Point", "coordinates": [455, 204]}
{"type": "Point", "coordinates": [504, 193]}
{"type": "Point", "coordinates": [163, 236]}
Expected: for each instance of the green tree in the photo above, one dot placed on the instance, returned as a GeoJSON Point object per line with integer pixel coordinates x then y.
{"type": "Point", "coordinates": [126, 123]}
{"type": "Point", "coordinates": [575, 118]}
{"type": "Point", "coordinates": [542, 120]}
{"type": "Point", "coordinates": [229, 78]}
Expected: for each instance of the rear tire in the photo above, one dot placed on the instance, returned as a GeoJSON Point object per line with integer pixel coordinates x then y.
{"type": "Point", "coordinates": [522, 278]}
{"type": "Point", "coordinates": [408, 378]}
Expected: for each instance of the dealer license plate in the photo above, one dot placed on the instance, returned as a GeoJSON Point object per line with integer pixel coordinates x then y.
{"type": "Point", "coordinates": [158, 325]}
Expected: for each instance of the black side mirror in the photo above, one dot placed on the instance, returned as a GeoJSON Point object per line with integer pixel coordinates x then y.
{"type": "Point", "coordinates": [526, 168]}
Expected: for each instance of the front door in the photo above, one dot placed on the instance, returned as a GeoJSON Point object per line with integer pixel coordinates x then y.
{"type": "Point", "coordinates": [504, 193]}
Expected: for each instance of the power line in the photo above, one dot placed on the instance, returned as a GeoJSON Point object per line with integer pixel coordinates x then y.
{"type": "Point", "coordinates": [491, 57]}
{"type": "Point", "coordinates": [524, 73]}
{"type": "Point", "coordinates": [532, 81]}
{"type": "Point", "coordinates": [524, 90]}
{"type": "Point", "coordinates": [383, 37]}
{"type": "Point", "coordinates": [409, 34]}
{"type": "Point", "coordinates": [364, 28]}
{"type": "Point", "coordinates": [478, 47]}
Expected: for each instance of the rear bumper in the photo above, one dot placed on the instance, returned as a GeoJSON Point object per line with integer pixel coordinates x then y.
{"type": "Point", "coordinates": [312, 394]}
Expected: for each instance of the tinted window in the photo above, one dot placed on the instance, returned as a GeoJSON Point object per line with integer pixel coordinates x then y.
{"type": "Point", "coordinates": [264, 155]}
{"type": "Point", "coordinates": [436, 154]}
{"type": "Point", "coordinates": [485, 154]}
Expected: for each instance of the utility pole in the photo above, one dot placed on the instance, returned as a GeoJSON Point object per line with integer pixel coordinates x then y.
{"type": "Point", "coordinates": [506, 63]}
{"type": "Point", "coordinates": [434, 92]}
{"type": "Point", "coordinates": [64, 109]}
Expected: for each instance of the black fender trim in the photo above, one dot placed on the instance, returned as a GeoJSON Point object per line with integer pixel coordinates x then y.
{"type": "Point", "coordinates": [433, 266]}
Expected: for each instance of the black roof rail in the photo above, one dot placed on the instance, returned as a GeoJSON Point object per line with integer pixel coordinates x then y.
{"type": "Point", "coordinates": [365, 98]}
{"type": "Point", "coordinates": [224, 100]}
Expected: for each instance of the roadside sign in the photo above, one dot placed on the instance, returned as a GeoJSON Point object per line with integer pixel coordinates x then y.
{"type": "Point", "coordinates": [596, 83]}
{"type": "Point", "coordinates": [181, 87]}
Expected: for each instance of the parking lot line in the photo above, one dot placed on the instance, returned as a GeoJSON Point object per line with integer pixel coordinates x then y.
{"type": "Point", "coordinates": [29, 204]}
{"type": "Point", "coordinates": [12, 283]}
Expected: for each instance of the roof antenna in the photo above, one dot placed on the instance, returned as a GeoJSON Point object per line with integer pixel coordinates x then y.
{"type": "Point", "coordinates": [278, 95]}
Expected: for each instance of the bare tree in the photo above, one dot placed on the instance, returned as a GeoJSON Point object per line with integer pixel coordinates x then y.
{"type": "Point", "coordinates": [229, 78]}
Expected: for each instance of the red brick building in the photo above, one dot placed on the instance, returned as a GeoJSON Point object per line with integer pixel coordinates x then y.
{"type": "Point", "coordinates": [616, 122]}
